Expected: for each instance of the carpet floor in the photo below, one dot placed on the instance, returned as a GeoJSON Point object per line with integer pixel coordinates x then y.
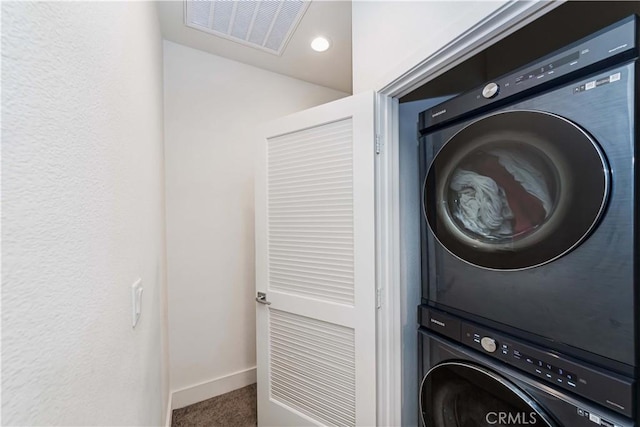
{"type": "Point", "coordinates": [233, 409]}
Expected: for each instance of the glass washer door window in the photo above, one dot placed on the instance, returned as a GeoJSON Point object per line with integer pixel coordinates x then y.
{"type": "Point", "coordinates": [515, 190]}
{"type": "Point", "coordinates": [457, 394]}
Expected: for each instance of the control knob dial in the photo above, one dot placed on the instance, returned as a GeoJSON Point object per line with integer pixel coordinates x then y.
{"type": "Point", "coordinates": [490, 90]}
{"type": "Point", "coordinates": [489, 344]}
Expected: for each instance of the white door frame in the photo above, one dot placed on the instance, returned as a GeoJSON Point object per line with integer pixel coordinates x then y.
{"type": "Point", "coordinates": [507, 19]}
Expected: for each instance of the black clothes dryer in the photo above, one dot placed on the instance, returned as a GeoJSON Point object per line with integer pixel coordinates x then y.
{"type": "Point", "coordinates": [470, 386]}
{"type": "Point", "coordinates": [530, 193]}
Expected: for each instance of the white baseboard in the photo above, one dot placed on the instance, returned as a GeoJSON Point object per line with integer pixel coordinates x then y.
{"type": "Point", "coordinates": [206, 390]}
{"type": "Point", "coordinates": [169, 415]}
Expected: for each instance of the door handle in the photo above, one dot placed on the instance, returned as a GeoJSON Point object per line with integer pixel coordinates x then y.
{"type": "Point", "coordinates": [262, 298]}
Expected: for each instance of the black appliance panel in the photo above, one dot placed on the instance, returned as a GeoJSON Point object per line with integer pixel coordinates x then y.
{"type": "Point", "coordinates": [613, 44]}
{"type": "Point", "coordinates": [585, 299]}
{"type": "Point", "coordinates": [611, 390]}
{"type": "Point", "coordinates": [562, 408]}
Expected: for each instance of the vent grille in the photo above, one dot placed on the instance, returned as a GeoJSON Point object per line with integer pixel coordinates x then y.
{"type": "Point", "coordinates": [267, 24]}
{"type": "Point", "coordinates": [313, 367]}
{"type": "Point", "coordinates": [310, 212]}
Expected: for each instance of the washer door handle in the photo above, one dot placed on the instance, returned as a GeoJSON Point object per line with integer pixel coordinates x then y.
{"type": "Point", "coordinates": [262, 298]}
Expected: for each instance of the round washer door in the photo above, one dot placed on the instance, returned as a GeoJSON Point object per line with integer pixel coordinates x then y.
{"type": "Point", "coordinates": [516, 190]}
{"type": "Point", "coordinates": [458, 394]}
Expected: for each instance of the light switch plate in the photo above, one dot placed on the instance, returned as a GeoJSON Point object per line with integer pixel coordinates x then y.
{"type": "Point", "coordinates": [136, 301]}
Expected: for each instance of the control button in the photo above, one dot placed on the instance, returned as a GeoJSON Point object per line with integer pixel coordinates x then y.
{"type": "Point", "coordinates": [559, 380]}
{"type": "Point", "coordinates": [570, 376]}
{"type": "Point", "coordinates": [529, 359]}
{"type": "Point", "coordinates": [540, 363]}
{"type": "Point", "coordinates": [548, 376]}
{"type": "Point", "coordinates": [490, 90]}
{"type": "Point", "coordinates": [505, 352]}
{"type": "Point", "coordinates": [560, 371]}
{"type": "Point", "coordinates": [571, 384]}
{"type": "Point", "coordinates": [517, 354]}
{"type": "Point", "coordinates": [606, 423]}
{"type": "Point", "coordinates": [548, 367]}
{"type": "Point", "coordinates": [489, 344]}
{"type": "Point", "coordinates": [538, 371]}
{"type": "Point", "coordinates": [505, 347]}
{"type": "Point", "coordinates": [581, 412]}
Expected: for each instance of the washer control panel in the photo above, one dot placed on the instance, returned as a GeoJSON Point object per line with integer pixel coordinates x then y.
{"type": "Point", "coordinates": [567, 407]}
{"type": "Point", "coordinates": [609, 389]}
{"type": "Point", "coordinates": [511, 353]}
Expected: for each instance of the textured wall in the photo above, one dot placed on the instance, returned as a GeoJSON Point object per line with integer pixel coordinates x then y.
{"type": "Point", "coordinates": [82, 214]}
{"type": "Point", "coordinates": [213, 111]}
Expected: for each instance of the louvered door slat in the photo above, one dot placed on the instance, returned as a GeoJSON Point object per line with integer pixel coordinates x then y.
{"type": "Point", "coordinates": [307, 152]}
{"type": "Point", "coordinates": [329, 346]}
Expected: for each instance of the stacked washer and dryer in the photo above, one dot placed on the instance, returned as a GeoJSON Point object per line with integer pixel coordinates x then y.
{"type": "Point", "coordinates": [530, 307]}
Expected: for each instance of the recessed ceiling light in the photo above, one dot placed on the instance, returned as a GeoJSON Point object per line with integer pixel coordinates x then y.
{"type": "Point", "coordinates": [320, 44]}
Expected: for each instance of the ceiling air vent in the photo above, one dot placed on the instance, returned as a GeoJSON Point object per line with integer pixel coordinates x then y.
{"type": "Point", "coordinates": [265, 24]}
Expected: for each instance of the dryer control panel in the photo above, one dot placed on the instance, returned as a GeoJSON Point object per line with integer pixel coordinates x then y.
{"type": "Point", "coordinates": [607, 388]}
{"type": "Point", "coordinates": [613, 44]}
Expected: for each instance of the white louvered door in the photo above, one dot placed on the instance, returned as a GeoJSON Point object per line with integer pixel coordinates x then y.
{"type": "Point", "coordinates": [315, 260]}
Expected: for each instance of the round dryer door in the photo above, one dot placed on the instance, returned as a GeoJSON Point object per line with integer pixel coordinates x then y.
{"type": "Point", "coordinates": [457, 394]}
{"type": "Point", "coordinates": [516, 190]}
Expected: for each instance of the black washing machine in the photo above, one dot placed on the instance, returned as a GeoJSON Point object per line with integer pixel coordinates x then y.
{"type": "Point", "coordinates": [529, 199]}
{"type": "Point", "coordinates": [530, 189]}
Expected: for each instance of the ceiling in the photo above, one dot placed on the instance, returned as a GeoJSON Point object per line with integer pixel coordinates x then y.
{"type": "Point", "coordinates": [331, 68]}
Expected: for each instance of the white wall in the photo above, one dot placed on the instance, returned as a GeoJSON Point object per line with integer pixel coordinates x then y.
{"type": "Point", "coordinates": [391, 37]}
{"type": "Point", "coordinates": [82, 214]}
{"type": "Point", "coordinates": [213, 110]}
